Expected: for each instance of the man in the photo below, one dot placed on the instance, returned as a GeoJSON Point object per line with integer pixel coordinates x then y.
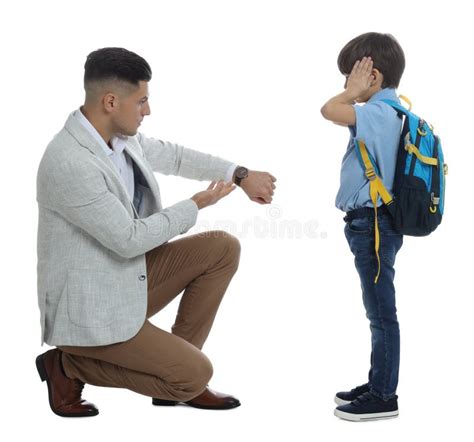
{"type": "Point", "coordinates": [104, 261]}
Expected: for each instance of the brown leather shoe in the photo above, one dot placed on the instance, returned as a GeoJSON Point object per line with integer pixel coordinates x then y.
{"type": "Point", "coordinates": [64, 393]}
{"type": "Point", "coordinates": [208, 400]}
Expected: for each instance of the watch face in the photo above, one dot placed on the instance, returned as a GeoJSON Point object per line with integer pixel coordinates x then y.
{"type": "Point", "coordinates": [241, 172]}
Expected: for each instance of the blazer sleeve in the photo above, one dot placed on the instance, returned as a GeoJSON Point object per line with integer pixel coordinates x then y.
{"type": "Point", "coordinates": [173, 159]}
{"type": "Point", "coordinates": [78, 192]}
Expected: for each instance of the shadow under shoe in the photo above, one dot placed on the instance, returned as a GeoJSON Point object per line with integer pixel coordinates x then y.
{"type": "Point", "coordinates": [64, 393]}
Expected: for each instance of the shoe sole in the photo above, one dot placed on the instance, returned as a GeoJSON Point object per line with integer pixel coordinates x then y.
{"type": "Point", "coordinates": [44, 377]}
{"type": "Point", "coordinates": [165, 403]}
{"type": "Point", "coordinates": [365, 417]}
{"type": "Point", "coordinates": [340, 401]}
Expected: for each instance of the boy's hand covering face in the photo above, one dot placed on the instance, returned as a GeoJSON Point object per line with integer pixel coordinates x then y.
{"type": "Point", "coordinates": [360, 78]}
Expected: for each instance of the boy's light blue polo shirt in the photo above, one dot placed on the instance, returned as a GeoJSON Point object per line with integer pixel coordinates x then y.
{"type": "Point", "coordinates": [379, 126]}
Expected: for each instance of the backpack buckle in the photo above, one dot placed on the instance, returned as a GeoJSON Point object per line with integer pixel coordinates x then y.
{"type": "Point", "coordinates": [420, 130]}
{"type": "Point", "coordinates": [434, 200]}
{"type": "Point", "coordinates": [409, 147]}
{"type": "Point", "coordinates": [370, 174]}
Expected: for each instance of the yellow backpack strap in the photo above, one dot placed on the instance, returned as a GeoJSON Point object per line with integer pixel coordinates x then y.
{"type": "Point", "coordinates": [376, 188]}
{"type": "Point", "coordinates": [406, 100]}
{"type": "Point", "coordinates": [411, 148]}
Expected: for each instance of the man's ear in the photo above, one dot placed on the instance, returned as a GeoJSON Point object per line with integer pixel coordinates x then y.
{"type": "Point", "coordinates": [109, 101]}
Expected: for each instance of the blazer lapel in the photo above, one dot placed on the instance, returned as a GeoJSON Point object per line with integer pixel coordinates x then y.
{"type": "Point", "coordinates": [146, 171]}
{"type": "Point", "coordinates": [85, 139]}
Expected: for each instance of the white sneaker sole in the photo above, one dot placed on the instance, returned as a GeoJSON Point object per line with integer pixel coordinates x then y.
{"type": "Point", "coordinates": [340, 401]}
{"type": "Point", "coordinates": [365, 417]}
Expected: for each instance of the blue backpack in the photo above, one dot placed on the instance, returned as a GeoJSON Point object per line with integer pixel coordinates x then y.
{"type": "Point", "coordinates": [417, 203]}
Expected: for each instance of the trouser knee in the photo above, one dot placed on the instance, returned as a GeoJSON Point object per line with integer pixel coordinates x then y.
{"type": "Point", "coordinates": [228, 244]}
{"type": "Point", "coordinates": [198, 374]}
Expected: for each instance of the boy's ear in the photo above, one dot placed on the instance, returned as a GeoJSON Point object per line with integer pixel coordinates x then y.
{"type": "Point", "coordinates": [376, 77]}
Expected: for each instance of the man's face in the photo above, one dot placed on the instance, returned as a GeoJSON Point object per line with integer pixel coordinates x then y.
{"type": "Point", "coordinates": [131, 110]}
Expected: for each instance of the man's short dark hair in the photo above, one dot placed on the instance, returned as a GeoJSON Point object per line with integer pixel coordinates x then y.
{"type": "Point", "coordinates": [116, 64]}
{"type": "Point", "coordinates": [385, 51]}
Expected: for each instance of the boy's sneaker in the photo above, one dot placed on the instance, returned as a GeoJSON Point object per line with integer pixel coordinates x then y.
{"type": "Point", "coordinates": [368, 407]}
{"type": "Point", "coordinates": [346, 397]}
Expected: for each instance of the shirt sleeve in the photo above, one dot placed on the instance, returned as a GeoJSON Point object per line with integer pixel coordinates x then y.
{"type": "Point", "coordinates": [230, 172]}
{"type": "Point", "coordinates": [370, 120]}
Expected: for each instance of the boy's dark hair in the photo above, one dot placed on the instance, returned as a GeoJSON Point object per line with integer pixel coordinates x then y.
{"type": "Point", "coordinates": [116, 64]}
{"type": "Point", "coordinates": [385, 51]}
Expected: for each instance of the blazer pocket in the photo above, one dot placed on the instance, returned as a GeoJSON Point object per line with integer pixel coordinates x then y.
{"type": "Point", "coordinates": [92, 298]}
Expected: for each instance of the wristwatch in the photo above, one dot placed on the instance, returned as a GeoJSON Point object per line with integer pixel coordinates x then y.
{"type": "Point", "coordinates": [240, 173]}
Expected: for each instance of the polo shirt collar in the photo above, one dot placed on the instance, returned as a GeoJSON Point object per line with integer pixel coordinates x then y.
{"type": "Point", "coordinates": [384, 94]}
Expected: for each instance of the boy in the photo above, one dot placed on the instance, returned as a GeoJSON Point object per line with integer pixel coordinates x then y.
{"type": "Point", "coordinates": [373, 64]}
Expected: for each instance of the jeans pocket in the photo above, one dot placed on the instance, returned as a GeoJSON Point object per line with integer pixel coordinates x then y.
{"type": "Point", "coordinates": [360, 225]}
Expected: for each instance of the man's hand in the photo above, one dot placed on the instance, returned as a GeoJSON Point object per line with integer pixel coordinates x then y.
{"type": "Point", "coordinates": [359, 80]}
{"type": "Point", "coordinates": [259, 186]}
{"type": "Point", "coordinates": [214, 193]}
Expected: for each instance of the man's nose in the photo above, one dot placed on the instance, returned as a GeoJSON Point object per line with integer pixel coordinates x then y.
{"type": "Point", "coordinates": [146, 110]}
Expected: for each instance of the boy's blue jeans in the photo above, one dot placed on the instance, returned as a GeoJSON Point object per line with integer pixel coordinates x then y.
{"type": "Point", "coordinates": [379, 299]}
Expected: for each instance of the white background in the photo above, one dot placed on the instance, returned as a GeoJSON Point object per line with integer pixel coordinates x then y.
{"type": "Point", "coordinates": [245, 80]}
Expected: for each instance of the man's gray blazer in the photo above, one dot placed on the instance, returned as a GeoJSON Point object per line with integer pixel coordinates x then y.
{"type": "Point", "coordinates": [92, 279]}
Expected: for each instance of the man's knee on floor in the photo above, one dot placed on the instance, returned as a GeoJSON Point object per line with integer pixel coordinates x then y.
{"type": "Point", "coordinates": [203, 372]}
{"type": "Point", "coordinates": [200, 373]}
